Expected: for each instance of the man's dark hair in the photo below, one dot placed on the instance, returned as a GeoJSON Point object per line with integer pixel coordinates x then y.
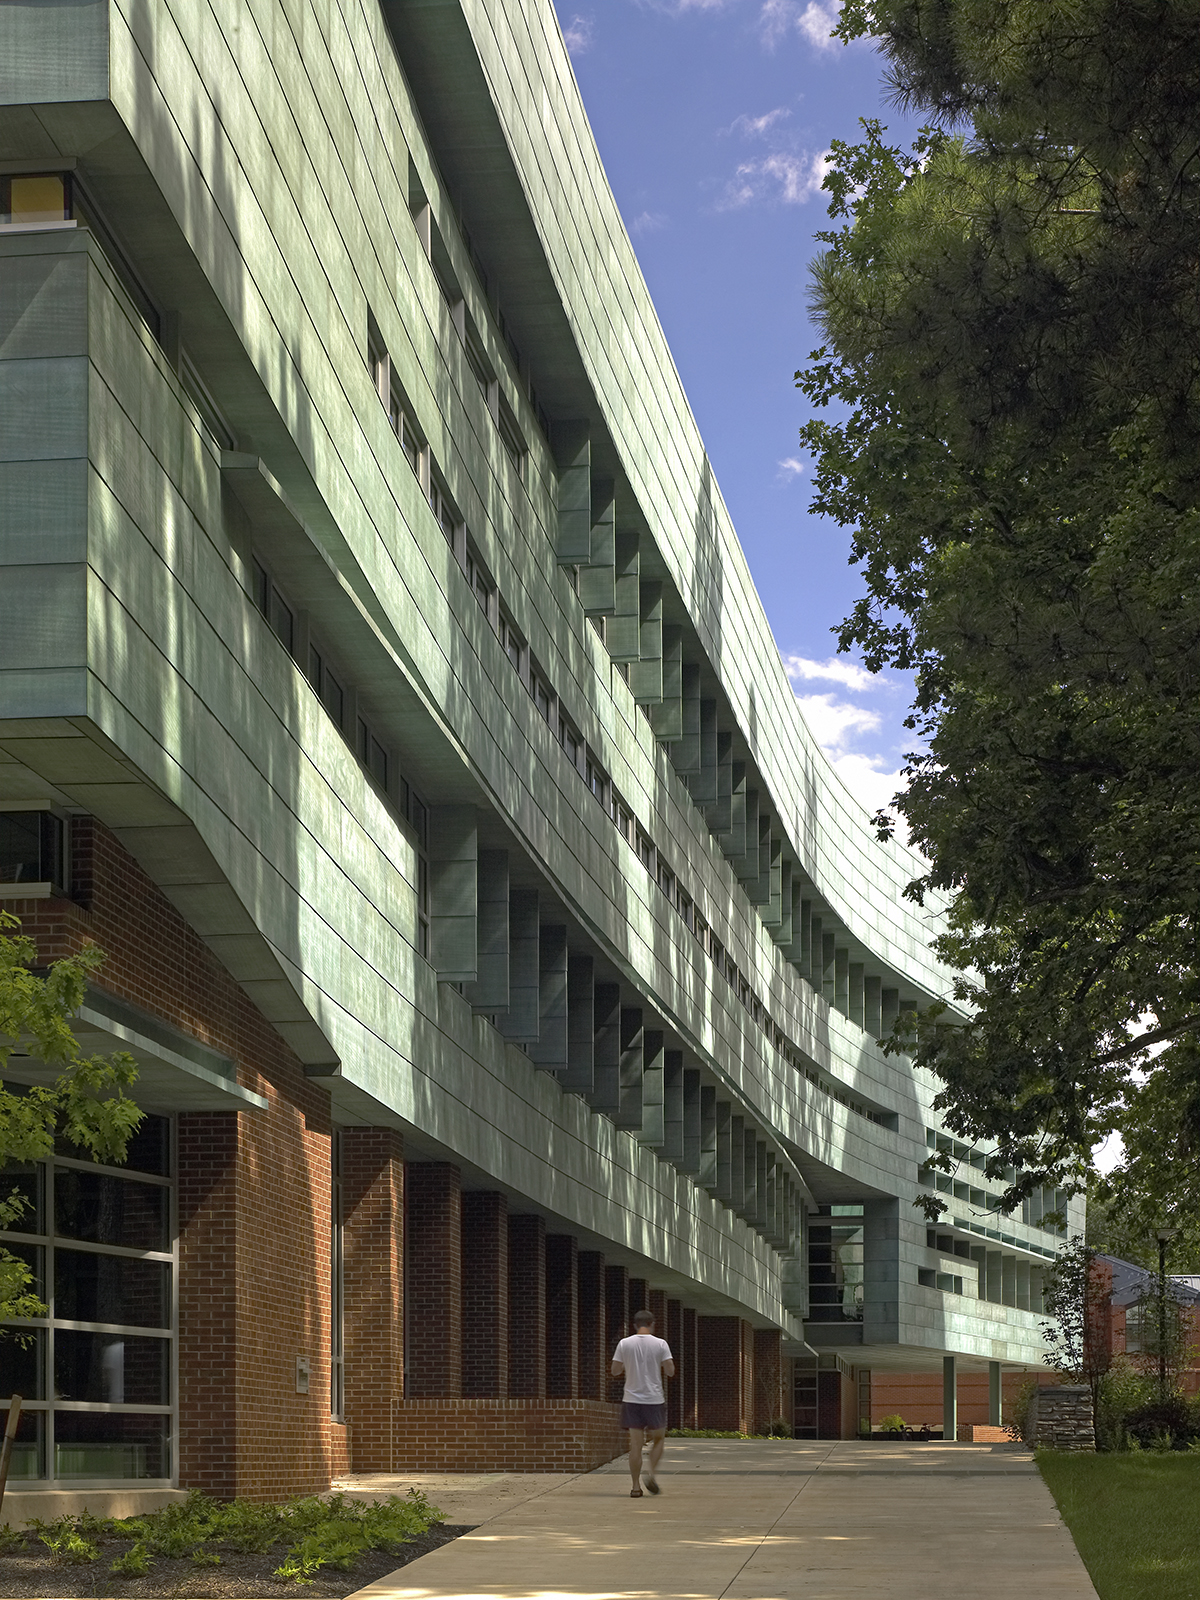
{"type": "Point", "coordinates": [643, 1319]}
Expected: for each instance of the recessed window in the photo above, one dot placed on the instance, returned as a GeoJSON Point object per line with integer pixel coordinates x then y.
{"type": "Point", "coordinates": [32, 848]}
{"type": "Point", "coordinates": [35, 198]}
{"type": "Point", "coordinates": [443, 510]}
{"type": "Point", "coordinates": [510, 639]}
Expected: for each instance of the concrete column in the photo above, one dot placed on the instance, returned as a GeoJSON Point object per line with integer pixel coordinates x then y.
{"type": "Point", "coordinates": [949, 1398]}
{"type": "Point", "coordinates": [673, 1334]}
{"type": "Point", "coordinates": [485, 1294]}
{"type": "Point", "coordinates": [768, 1376]}
{"type": "Point", "coordinates": [526, 1307]}
{"type": "Point", "coordinates": [433, 1279]}
{"type": "Point", "coordinates": [616, 1320]}
{"type": "Point", "coordinates": [373, 1289]}
{"type": "Point", "coordinates": [562, 1316]}
{"type": "Point", "coordinates": [594, 1356]}
{"type": "Point", "coordinates": [689, 1353]}
{"type": "Point", "coordinates": [1008, 1280]}
{"type": "Point", "coordinates": [721, 1378]}
{"type": "Point", "coordinates": [995, 1400]}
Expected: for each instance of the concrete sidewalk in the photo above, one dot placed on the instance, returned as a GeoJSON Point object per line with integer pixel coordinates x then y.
{"type": "Point", "coordinates": [759, 1521]}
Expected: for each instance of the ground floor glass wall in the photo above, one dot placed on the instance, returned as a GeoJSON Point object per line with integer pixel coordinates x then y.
{"type": "Point", "coordinates": [97, 1373]}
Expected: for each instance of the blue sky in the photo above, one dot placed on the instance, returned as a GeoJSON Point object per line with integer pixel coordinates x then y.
{"type": "Point", "coordinates": [713, 118]}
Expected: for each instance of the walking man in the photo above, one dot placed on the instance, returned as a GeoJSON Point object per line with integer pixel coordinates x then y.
{"type": "Point", "coordinates": [643, 1360]}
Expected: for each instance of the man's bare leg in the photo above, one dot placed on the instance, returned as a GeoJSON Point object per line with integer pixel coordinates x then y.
{"type": "Point", "coordinates": [658, 1439]}
{"type": "Point", "coordinates": [636, 1436]}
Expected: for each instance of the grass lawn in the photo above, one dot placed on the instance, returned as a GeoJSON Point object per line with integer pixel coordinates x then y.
{"type": "Point", "coordinates": [1133, 1519]}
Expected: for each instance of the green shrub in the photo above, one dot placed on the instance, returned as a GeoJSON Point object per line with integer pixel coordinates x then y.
{"type": "Point", "coordinates": [893, 1424]}
{"type": "Point", "coordinates": [135, 1563]}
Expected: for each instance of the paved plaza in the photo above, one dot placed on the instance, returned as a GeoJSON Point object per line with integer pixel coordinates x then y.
{"type": "Point", "coordinates": [755, 1521]}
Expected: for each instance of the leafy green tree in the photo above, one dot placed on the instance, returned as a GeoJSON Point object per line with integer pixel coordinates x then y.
{"type": "Point", "coordinates": [1012, 356]}
{"type": "Point", "coordinates": [1077, 1299]}
{"type": "Point", "coordinates": [86, 1103]}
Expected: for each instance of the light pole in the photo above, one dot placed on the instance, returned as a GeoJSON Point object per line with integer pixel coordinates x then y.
{"type": "Point", "coordinates": [1165, 1235]}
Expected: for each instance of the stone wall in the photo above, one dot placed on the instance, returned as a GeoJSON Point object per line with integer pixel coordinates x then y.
{"type": "Point", "coordinates": [1061, 1418]}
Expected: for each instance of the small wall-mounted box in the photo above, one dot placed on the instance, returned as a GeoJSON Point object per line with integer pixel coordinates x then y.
{"type": "Point", "coordinates": [302, 1374]}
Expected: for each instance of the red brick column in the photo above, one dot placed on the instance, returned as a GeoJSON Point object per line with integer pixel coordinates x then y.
{"type": "Point", "coordinates": [484, 1295]}
{"type": "Point", "coordinates": [689, 1413]}
{"type": "Point", "coordinates": [722, 1385]}
{"type": "Point", "coordinates": [656, 1305]}
{"type": "Point", "coordinates": [373, 1290]}
{"type": "Point", "coordinates": [593, 1356]}
{"type": "Point", "coordinates": [639, 1300]}
{"type": "Point", "coordinates": [748, 1389]}
{"type": "Point", "coordinates": [562, 1316]}
{"type": "Point", "coordinates": [616, 1321]}
{"type": "Point", "coordinates": [768, 1377]}
{"type": "Point", "coordinates": [673, 1334]}
{"type": "Point", "coordinates": [526, 1307]}
{"type": "Point", "coordinates": [433, 1281]}
{"type": "Point", "coordinates": [208, 1308]}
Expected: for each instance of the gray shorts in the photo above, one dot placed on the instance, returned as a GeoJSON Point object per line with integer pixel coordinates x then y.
{"type": "Point", "coordinates": [636, 1415]}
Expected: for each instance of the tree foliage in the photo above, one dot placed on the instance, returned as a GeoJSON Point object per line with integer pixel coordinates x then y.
{"type": "Point", "coordinates": [1077, 1299]}
{"type": "Point", "coordinates": [86, 1104]}
{"type": "Point", "coordinates": [1012, 356]}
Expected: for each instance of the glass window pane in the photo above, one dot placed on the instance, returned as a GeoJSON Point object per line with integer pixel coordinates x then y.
{"type": "Point", "coordinates": [38, 198]}
{"type": "Point", "coordinates": [96, 1288]}
{"type": "Point", "coordinates": [110, 1445]}
{"type": "Point", "coordinates": [29, 1447]}
{"type": "Point", "coordinates": [106, 1210]}
{"type": "Point", "coordinates": [23, 1363]}
{"type": "Point", "coordinates": [34, 1257]}
{"type": "Point", "coordinates": [148, 1150]}
{"type": "Point", "coordinates": [25, 1179]}
{"type": "Point", "coordinates": [111, 1368]}
{"type": "Point", "coordinates": [20, 846]}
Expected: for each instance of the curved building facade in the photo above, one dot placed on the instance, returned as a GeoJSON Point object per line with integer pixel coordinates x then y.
{"type": "Point", "coordinates": [383, 687]}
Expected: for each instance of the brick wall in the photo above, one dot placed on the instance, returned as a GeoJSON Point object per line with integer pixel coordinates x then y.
{"type": "Point", "coordinates": [690, 1375]}
{"type": "Point", "coordinates": [373, 1225]}
{"type": "Point", "coordinates": [485, 1294]}
{"type": "Point", "coordinates": [616, 1321]}
{"type": "Point", "coordinates": [562, 1316]}
{"type": "Point", "coordinates": [544, 1435]}
{"type": "Point", "coordinates": [593, 1354]}
{"type": "Point", "coordinates": [526, 1307]}
{"type": "Point", "coordinates": [725, 1381]}
{"type": "Point", "coordinates": [917, 1396]}
{"type": "Point", "coordinates": [433, 1278]}
{"type": "Point", "coordinates": [673, 1334]}
{"type": "Point", "coordinates": [254, 1191]}
{"type": "Point", "coordinates": [768, 1378]}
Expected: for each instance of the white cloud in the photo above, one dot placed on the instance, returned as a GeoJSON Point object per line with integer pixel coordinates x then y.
{"type": "Point", "coordinates": [802, 669]}
{"type": "Point", "coordinates": [577, 35]}
{"type": "Point", "coordinates": [871, 784]}
{"type": "Point", "coordinates": [793, 179]}
{"type": "Point", "coordinates": [815, 22]}
{"type": "Point", "coordinates": [756, 127]}
{"type": "Point", "coordinates": [834, 722]}
{"type": "Point", "coordinates": [648, 222]}
{"type": "Point", "coordinates": [792, 468]}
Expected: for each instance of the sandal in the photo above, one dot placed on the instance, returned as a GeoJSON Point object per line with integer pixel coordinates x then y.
{"type": "Point", "coordinates": [652, 1485]}
{"type": "Point", "coordinates": [635, 1494]}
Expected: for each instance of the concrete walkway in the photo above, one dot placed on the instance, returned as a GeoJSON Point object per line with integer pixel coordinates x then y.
{"type": "Point", "coordinates": [757, 1521]}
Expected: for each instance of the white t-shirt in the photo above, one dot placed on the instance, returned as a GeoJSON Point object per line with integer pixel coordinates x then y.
{"type": "Point", "coordinates": [642, 1356]}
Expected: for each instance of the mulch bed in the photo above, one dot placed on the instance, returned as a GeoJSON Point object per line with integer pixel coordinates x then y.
{"type": "Point", "coordinates": [34, 1574]}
